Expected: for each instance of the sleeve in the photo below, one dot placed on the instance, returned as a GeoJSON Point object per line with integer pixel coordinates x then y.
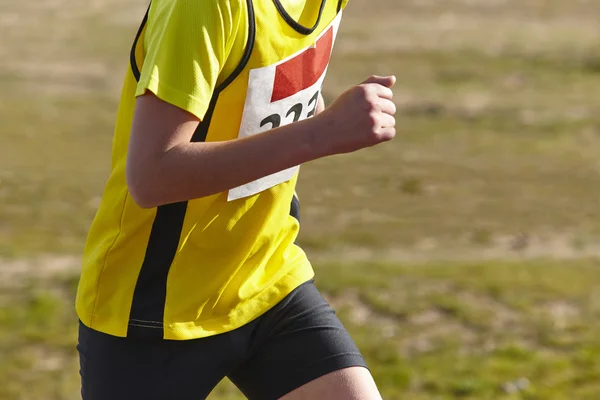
{"type": "Point", "coordinates": [186, 45]}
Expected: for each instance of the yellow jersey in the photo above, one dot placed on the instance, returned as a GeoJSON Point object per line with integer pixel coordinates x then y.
{"type": "Point", "coordinates": [210, 265]}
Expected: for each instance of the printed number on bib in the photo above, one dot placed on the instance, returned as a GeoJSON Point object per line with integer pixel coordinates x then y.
{"type": "Point", "coordinates": [281, 94]}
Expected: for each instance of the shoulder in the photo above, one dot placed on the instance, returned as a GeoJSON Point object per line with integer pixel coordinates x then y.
{"type": "Point", "coordinates": [200, 8]}
{"type": "Point", "coordinates": [192, 17]}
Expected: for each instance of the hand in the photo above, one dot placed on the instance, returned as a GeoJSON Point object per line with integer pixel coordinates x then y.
{"type": "Point", "coordinates": [361, 117]}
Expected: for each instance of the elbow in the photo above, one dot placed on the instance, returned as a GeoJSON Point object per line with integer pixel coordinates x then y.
{"type": "Point", "coordinates": [142, 188]}
{"type": "Point", "coordinates": [142, 199]}
{"type": "Point", "coordinates": [142, 196]}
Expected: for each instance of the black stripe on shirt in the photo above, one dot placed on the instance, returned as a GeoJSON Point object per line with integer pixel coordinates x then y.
{"type": "Point", "coordinates": [150, 293]}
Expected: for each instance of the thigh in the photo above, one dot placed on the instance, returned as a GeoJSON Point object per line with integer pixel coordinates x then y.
{"type": "Point", "coordinates": [299, 342]}
{"type": "Point", "coordinates": [115, 368]}
{"type": "Point", "coordinates": [354, 383]}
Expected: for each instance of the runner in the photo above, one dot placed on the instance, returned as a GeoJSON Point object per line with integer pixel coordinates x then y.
{"type": "Point", "coordinates": [191, 272]}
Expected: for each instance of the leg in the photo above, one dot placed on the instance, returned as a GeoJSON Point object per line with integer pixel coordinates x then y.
{"type": "Point", "coordinates": [114, 368]}
{"type": "Point", "coordinates": [301, 350]}
{"type": "Point", "coordinates": [355, 383]}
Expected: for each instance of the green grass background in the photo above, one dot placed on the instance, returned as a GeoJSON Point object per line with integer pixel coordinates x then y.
{"type": "Point", "coordinates": [463, 256]}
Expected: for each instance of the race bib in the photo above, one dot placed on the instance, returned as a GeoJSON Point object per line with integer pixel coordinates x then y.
{"type": "Point", "coordinates": [282, 93]}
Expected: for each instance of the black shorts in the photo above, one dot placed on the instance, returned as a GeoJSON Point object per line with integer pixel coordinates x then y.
{"type": "Point", "coordinates": [294, 343]}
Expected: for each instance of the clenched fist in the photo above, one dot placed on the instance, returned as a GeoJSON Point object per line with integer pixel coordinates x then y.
{"type": "Point", "coordinates": [363, 116]}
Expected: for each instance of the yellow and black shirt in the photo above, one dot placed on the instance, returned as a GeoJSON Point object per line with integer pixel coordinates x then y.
{"type": "Point", "coordinates": [207, 266]}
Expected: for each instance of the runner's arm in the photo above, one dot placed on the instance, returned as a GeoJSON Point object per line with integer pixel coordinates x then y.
{"type": "Point", "coordinates": [163, 166]}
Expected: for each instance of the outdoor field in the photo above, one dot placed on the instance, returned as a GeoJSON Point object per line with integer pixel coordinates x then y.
{"type": "Point", "coordinates": [464, 256]}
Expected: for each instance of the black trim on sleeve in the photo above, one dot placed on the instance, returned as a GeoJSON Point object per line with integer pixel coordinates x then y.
{"type": "Point", "coordinates": [339, 7]}
{"type": "Point", "coordinates": [295, 24]}
{"type": "Point", "coordinates": [134, 67]}
{"type": "Point", "coordinates": [202, 129]}
{"type": "Point", "coordinates": [148, 305]}
{"type": "Point", "coordinates": [295, 208]}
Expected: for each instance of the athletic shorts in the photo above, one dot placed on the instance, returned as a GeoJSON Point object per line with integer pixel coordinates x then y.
{"type": "Point", "coordinates": [297, 341]}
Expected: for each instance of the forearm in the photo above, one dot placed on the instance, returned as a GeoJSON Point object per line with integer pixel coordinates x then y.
{"type": "Point", "coordinates": [194, 170]}
{"type": "Point", "coordinates": [164, 167]}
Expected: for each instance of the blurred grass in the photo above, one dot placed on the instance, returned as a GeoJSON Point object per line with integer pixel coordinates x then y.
{"type": "Point", "coordinates": [495, 134]}
{"type": "Point", "coordinates": [429, 331]}
{"type": "Point", "coordinates": [496, 163]}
